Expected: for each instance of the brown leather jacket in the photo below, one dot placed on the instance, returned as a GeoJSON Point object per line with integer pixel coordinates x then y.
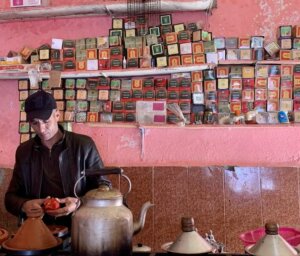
{"type": "Point", "coordinates": [80, 154]}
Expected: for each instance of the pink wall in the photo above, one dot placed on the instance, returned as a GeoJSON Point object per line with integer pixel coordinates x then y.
{"type": "Point", "coordinates": [252, 146]}
{"type": "Point", "coordinates": [229, 203]}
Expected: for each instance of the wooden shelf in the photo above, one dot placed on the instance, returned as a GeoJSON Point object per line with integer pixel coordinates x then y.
{"type": "Point", "coordinates": [21, 73]}
{"type": "Point", "coordinates": [282, 62]}
{"type": "Point", "coordinates": [262, 62]}
{"type": "Point", "coordinates": [237, 62]}
{"type": "Point", "coordinates": [110, 8]}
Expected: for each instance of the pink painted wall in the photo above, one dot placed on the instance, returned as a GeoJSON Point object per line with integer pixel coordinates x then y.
{"type": "Point", "coordinates": [201, 146]}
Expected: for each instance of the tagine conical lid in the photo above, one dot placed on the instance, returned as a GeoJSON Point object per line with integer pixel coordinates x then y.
{"type": "Point", "coordinates": [272, 244]}
{"type": "Point", "coordinates": [32, 235]}
{"type": "Point", "coordinates": [189, 241]}
{"type": "Point", "coordinates": [3, 235]}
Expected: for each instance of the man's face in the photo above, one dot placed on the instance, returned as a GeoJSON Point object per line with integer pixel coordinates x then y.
{"type": "Point", "coordinates": [46, 129]}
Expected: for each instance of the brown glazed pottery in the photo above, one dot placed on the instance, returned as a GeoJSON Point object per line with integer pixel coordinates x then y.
{"type": "Point", "coordinates": [32, 235]}
{"type": "Point", "coordinates": [3, 235]}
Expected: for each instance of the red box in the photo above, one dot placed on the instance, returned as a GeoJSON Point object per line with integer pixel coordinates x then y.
{"type": "Point", "coordinates": [184, 36]}
{"type": "Point", "coordinates": [91, 54]}
{"type": "Point", "coordinates": [296, 81]}
{"type": "Point", "coordinates": [236, 84]}
{"type": "Point", "coordinates": [199, 58]}
{"type": "Point", "coordinates": [145, 62]}
{"type": "Point", "coordinates": [104, 54]}
{"type": "Point", "coordinates": [92, 116]}
{"type": "Point", "coordinates": [136, 84]}
{"type": "Point", "coordinates": [173, 96]}
{"type": "Point", "coordinates": [132, 53]}
{"type": "Point", "coordinates": [197, 76]}
{"type": "Point", "coordinates": [235, 96]}
{"type": "Point", "coordinates": [296, 105]}
{"type": "Point", "coordinates": [210, 85]}
{"type": "Point", "coordinates": [222, 72]}
{"type": "Point", "coordinates": [171, 38]}
{"type": "Point", "coordinates": [107, 106]}
{"type": "Point", "coordinates": [296, 31]}
{"type": "Point", "coordinates": [286, 93]}
{"type": "Point", "coordinates": [174, 61]}
{"type": "Point", "coordinates": [248, 95]}
{"type": "Point", "coordinates": [286, 82]}
{"type": "Point", "coordinates": [272, 105]}
{"type": "Point", "coordinates": [81, 65]}
{"type": "Point", "coordinates": [130, 107]}
{"type": "Point", "coordinates": [223, 95]}
{"type": "Point", "coordinates": [144, 51]}
{"type": "Point", "coordinates": [197, 48]}
{"type": "Point", "coordinates": [69, 65]}
{"type": "Point", "coordinates": [260, 94]}
{"type": "Point", "coordinates": [149, 94]}
{"type": "Point", "coordinates": [161, 93]}
{"type": "Point", "coordinates": [187, 59]}
{"type": "Point", "coordinates": [285, 55]}
{"type": "Point", "coordinates": [247, 106]}
{"type": "Point", "coordinates": [103, 64]}
{"type": "Point", "coordinates": [261, 83]}
{"type": "Point", "coordinates": [244, 42]}
{"type": "Point", "coordinates": [235, 106]}
{"type": "Point", "coordinates": [248, 83]}
{"type": "Point", "coordinates": [273, 94]}
{"type": "Point", "coordinates": [274, 83]}
{"type": "Point", "coordinates": [185, 106]}
{"type": "Point", "coordinates": [197, 86]}
{"type": "Point", "coordinates": [286, 70]}
{"type": "Point", "coordinates": [260, 104]}
{"type": "Point", "coordinates": [69, 54]}
{"type": "Point", "coordinates": [116, 51]}
{"type": "Point", "coordinates": [126, 95]}
{"type": "Point", "coordinates": [160, 82]}
{"type": "Point", "coordinates": [116, 62]}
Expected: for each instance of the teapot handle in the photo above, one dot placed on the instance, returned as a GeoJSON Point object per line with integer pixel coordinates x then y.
{"type": "Point", "coordinates": [129, 189]}
{"type": "Point", "coordinates": [102, 172]}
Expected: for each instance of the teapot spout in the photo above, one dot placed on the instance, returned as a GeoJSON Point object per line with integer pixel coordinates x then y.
{"type": "Point", "coordinates": [139, 225]}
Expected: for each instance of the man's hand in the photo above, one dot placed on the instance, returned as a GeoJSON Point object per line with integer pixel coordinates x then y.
{"type": "Point", "coordinates": [71, 204]}
{"type": "Point", "coordinates": [33, 208]}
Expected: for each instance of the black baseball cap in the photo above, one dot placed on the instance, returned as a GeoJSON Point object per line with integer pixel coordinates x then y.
{"type": "Point", "coordinates": [39, 105]}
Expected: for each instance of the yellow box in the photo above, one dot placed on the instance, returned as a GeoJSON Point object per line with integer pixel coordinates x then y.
{"type": "Point", "coordinates": [248, 72]}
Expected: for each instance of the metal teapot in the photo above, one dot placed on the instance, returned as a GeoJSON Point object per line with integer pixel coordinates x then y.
{"type": "Point", "coordinates": [103, 225]}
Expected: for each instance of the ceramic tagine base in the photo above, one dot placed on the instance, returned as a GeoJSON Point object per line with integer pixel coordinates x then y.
{"type": "Point", "coordinates": [32, 238]}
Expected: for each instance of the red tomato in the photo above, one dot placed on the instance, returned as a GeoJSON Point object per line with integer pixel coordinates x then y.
{"type": "Point", "coordinates": [51, 203]}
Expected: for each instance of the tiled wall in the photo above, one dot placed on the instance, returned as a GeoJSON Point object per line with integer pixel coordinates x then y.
{"type": "Point", "coordinates": [226, 202]}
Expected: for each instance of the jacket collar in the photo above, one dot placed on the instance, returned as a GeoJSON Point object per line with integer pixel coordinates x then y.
{"type": "Point", "coordinates": [37, 144]}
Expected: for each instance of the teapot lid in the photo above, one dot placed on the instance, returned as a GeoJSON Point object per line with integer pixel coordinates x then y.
{"type": "Point", "coordinates": [272, 244]}
{"type": "Point", "coordinates": [104, 192]}
{"type": "Point", "coordinates": [189, 241]}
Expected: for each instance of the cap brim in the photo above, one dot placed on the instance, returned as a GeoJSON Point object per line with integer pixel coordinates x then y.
{"type": "Point", "coordinates": [38, 114]}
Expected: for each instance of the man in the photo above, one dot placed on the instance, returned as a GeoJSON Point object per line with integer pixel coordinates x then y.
{"type": "Point", "coordinates": [50, 164]}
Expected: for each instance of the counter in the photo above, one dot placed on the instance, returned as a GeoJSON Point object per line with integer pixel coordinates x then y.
{"type": "Point", "coordinates": [64, 253]}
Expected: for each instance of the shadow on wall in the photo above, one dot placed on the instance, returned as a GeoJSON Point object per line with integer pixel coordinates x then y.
{"type": "Point", "coordinates": [7, 220]}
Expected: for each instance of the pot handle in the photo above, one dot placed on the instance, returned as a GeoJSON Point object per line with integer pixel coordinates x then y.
{"type": "Point", "coordinates": [102, 172]}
